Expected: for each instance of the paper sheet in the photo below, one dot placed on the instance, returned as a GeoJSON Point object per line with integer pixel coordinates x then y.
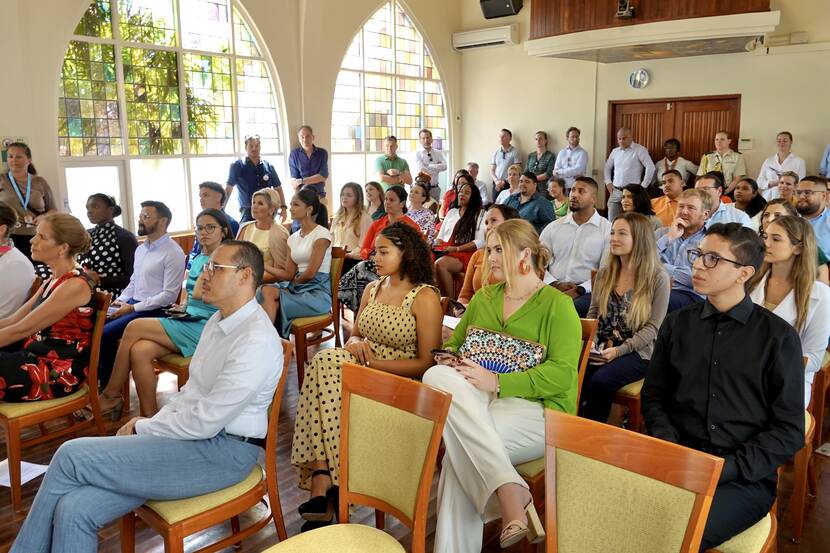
{"type": "Point", "coordinates": [28, 471]}
{"type": "Point", "coordinates": [451, 322]}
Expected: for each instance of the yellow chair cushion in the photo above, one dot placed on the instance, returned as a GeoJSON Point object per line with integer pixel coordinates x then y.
{"type": "Point", "coordinates": [826, 358]}
{"type": "Point", "coordinates": [342, 538]}
{"type": "Point", "coordinates": [305, 321]}
{"type": "Point", "coordinates": [750, 540]}
{"type": "Point", "coordinates": [632, 389]}
{"type": "Point", "coordinates": [15, 410]}
{"type": "Point", "coordinates": [176, 360]}
{"type": "Point", "coordinates": [531, 468]}
{"type": "Point", "coordinates": [180, 509]}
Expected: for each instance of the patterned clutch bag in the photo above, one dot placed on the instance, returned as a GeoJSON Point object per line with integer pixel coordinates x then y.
{"type": "Point", "coordinates": [500, 353]}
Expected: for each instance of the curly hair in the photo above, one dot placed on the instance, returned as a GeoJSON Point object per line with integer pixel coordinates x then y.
{"type": "Point", "coordinates": [416, 261]}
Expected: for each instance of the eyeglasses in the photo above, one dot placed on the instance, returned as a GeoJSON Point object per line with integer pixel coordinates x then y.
{"type": "Point", "coordinates": [211, 267]}
{"type": "Point", "coordinates": [807, 192]}
{"type": "Point", "coordinates": [145, 217]}
{"type": "Point", "coordinates": [208, 228]}
{"type": "Point", "coordinates": [710, 260]}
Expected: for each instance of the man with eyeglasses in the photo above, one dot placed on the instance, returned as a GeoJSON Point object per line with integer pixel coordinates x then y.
{"type": "Point", "coordinates": [208, 437]}
{"type": "Point", "coordinates": [726, 378]}
{"type": "Point", "coordinates": [251, 174]}
{"type": "Point", "coordinates": [430, 162]}
{"type": "Point", "coordinates": [674, 241]}
{"type": "Point", "coordinates": [712, 183]}
{"type": "Point", "coordinates": [504, 157]}
{"type": "Point", "coordinates": [811, 203]}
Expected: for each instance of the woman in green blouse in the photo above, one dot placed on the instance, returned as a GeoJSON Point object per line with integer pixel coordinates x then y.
{"type": "Point", "coordinates": [497, 420]}
{"type": "Point", "coordinates": [556, 191]}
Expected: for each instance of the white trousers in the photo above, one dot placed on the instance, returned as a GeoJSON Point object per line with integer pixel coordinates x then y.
{"type": "Point", "coordinates": [484, 437]}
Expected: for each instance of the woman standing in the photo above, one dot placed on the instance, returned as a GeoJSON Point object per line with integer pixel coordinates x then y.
{"type": "Point", "coordinates": [748, 198]}
{"type": "Point", "coordinates": [787, 286]}
{"type": "Point", "coordinates": [461, 234]}
{"type": "Point", "coordinates": [374, 200]}
{"type": "Point", "coordinates": [110, 257]}
{"type": "Point", "coordinates": [630, 298]}
{"type": "Point", "coordinates": [541, 162]}
{"type": "Point", "coordinates": [423, 216]}
{"type": "Point", "coordinates": [556, 189]}
{"type": "Point", "coordinates": [398, 324]}
{"type": "Point", "coordinates": [635, 199]}
{"type": "Point", "coordinates": [350, 224]}
{"type": "Point", "coordinates": [304, 289]}
{"type": "Point", "coordinates": [270, 237]}
{"type": "Point", "coordinates": [26, 193]}
{"type": "Point", "coordinates": [147, 339]}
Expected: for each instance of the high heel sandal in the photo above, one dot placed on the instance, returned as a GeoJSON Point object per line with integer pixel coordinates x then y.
{"type": "Point", "coordinates": [114, 413]}
{"type": "Point", "coordinates": [319, 508]}
{"type": "Point", "coordinates": [532, 530]}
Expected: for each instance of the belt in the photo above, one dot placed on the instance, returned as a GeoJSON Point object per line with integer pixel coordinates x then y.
{"type": "Point", "coordinates": [255, 441]}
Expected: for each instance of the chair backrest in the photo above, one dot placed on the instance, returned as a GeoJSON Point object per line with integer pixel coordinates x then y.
{"type": "Point", "coordinates": [642, 494]}
{"type": "Point", "coordinates": [101, 301]}
{"type": "Point", "coordinates": [589, 331]}
{"type": "Point", "coordinates": [36, 284]}
{"type": "Point", "coordinates": [390, 431]}
{"type": "Point", "coordinates": [445, 305]}
{"type": "Point", "coordinates": [338, 256]}
{"type": "Point", "coordinates": [273, 421]}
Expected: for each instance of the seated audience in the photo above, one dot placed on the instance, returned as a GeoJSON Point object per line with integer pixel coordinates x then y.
{"type": "Point", "coordinates": [726, 377]}
{"type": "Point", "coordinates": [212, 196]}
{"type": "Point", "coordinates": [811, 203]}
{"type": "Point", "coordinates": [635, 200]}
{"type": "Point", "coordinates": [390, 169]}
{"type": "Point", "coordinates": [723, 159]}
{"type": "Point", "coordinates": [497, 419]}
{"type": "Point", "coordinates": [154, 285]}
{"type": "Point", "coordinates": [780, 207]}
{"type": "Point", "coordinates": [665, 207]}
{"type": "Point", "coordinates": [423, 216]}
{"type": "Point", "coordinates": [784, 160]}
{"type": "Point", "coordinates": [429, 162]}
{"type": "Point", "coordinates": [558, 197]}
{"type": "Point", "coordinates": [722, 212]}
{"type": "Point", "coordinates": [503, 158]}
{"type": "Point", "coordinates": [179, 332]}
{"type": "Point", "coordinates": [747, 197]}
{"type": "Point", "coordinates": [579, 242]}
{"type": "Point", "coordinates": [787, 181]}
{"type": "Point", "coordinates": [308, 164]}
{"type": "Point", "coordinates": [374, 200]}
{"type": "Point", "coordinates": [483, 187]}
{"type": "Point", "coordinates": [630, 297]}
{"type": "Point", "coordinates": [786, 285]}
{"type": "Point", "coordinates": [448, 201]}
{"type": "Point", "coordinates": [56, 322]}
{"type": "Point", "coordinates": [461, 234]}
{"type": "Point", "coordinates": [111, 254]}
{"type": "Point", "coordinates": [675, 241]}
{"type": "Point", "coordinates": [350, 223]}
{"type": "Point", "coordinates": [208, 437]}
{"type": "Point", "coordinates": [397, 327]}
{"type": "Point", "coordinates": [674, 162]}
{"type": "Point", "coordinates": [540, 161]}
{"type": "Point", "coordinates": [572, 160]}
{"type": "Point", "coordinates": [16, 271]}
{"type": "Point", "coordinates": [304, 287]}
{"type": "Point", "coordinates": [496, 215]}
{"type": "Point", "coordinates": [265, 233]}
{"type": "Point", "coordinates": [512, 186]}
{"type": "Point", "coordinates": [533, 206]}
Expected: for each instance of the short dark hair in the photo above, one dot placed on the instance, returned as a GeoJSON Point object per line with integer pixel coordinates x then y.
{"type": "Point", "coordinates": [744, 243]}
{"type": "Point", "coordinates": [672, 172]}
{"type": "Point", "coordinates": [507, 211]}
{"type": "Point", "coordinates": [391, 138]}
{"type": "Point", "coordinates": [109, 200]}
{"type": "Point", "coordinates": [716, 176]}
{"type": "Point", "coordinates": [816, 179]}
{"type": "Point", "coordinates": [579, 132]}
{"type": "Point", "coordinates": [508, 131]}
{"type": "Point", "coordinates": [560, 181]}
{"type": "Point", "coordinates": [529, 175]}
{"type": "Point", "coordinates": [161, 209]}
{"type": "Point", "coordinates": [221, 219]}
{"type": "Point", "coordinates": [589, 181]}
{"type": "Point", "coordinates": [400, 192]}
{"type": "Point", "coordinates": [8, 217]}
{"type": "Point", "coordinates": [215, 186]}
{"type": "Point", "coordinates": [416, 262]}
{"type": "Point", "coordinates": [642, 202]}
{"type": "Point", "coordinates": [674, 141]}
{"type": "Point", "coordinates": [788, 133]}
{"type": "Point", "coordinates": [246, 254]}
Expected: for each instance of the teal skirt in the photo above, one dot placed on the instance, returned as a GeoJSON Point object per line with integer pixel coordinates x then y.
{"type": "Point", "coordinates": [302, 300]}
{"type": "Point", "coordinates": [185, 333]}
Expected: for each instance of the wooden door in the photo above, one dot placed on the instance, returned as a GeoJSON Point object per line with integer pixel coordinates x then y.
{"type": "Point", "coordinates": [649, 122]}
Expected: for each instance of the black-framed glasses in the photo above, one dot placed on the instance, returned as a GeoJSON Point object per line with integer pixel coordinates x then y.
{"type": "Point", "coordinates": [208, 228]}
{"type": "Point", "coordinates": [710, 260]}
{"type": "Point", "coordinates": [211, 267]}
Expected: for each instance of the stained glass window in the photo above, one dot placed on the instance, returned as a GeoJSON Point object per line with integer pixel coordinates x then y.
{"type": "Point", "coordinates": [148, 21]}
{"type": "Point", "coordinates": [209, 105]}
{"type": "Point", "coordinates": [96, 21]}
{"type": "Point", "coordinates": [207, 25]}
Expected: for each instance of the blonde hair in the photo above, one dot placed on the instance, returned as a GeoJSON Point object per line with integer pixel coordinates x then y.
{"type": "Point", "coordinates": [647, 268]}
{"type": "Point", "coordinates": [516, 167]}
{"type": "Point", "coordinates": [706, 201]}
{"type": "Point", "coordinates": [805, 267]}
{"type": "Point", "coordinates": [68, 230]}
{"type": "Point", "coordinates": [514, 236]}
{"type": "Point", "coordinates": [271, 198]}
{"type": "Point", "coordinates": [343, 219]}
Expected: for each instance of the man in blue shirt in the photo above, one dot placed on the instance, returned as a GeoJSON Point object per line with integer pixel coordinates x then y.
{"type": "Point", "coordinates": [532, 206]}
{"type": "Point", "coordinates": [309, 165]}
{"type": "Point", "coordinates": [811, 203]}
{"type": "Point", "coordinates": [252, 174]}
{"type": "Point", "coordinates": [713, 184]}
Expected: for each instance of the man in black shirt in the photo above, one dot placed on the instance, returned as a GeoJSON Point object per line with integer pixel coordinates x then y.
{"type": "Point", "coordinates": [727, 378]}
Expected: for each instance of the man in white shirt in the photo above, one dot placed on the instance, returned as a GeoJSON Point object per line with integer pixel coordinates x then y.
{"type": "Point", "coordinates": [483, 187]}
{"type": "Point", "coordinates": [712, 183]}
{"type": "Point", "coordinates": [207, 438]}
{"type": "Point", "coordinates": [503, 158]}
{"type": "Point", "coordinates": [784, 160]}
{"type": "Point", "coordinates": [16, 271]}
{"type": "Point", "coordinates": [429, 161]}
{"type": "Point", "coordinates": [629, 163]}
{"type": "Point", "coordinates": [571, 161]}
{"type": "Point", "coordinates": [579, 242]}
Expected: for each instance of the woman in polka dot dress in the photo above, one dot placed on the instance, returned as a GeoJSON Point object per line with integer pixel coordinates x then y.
{"type": "Point", "coordinates": [398, 325]}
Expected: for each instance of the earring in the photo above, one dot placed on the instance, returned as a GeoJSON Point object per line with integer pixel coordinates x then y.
{"type": "Point", "coordinates": [523, 267]}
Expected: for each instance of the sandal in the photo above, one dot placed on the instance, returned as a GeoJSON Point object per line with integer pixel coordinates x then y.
{"type": "Point", "coordinates": [319, 508]}
{"type": "Point", "coordinates": [532, 529]}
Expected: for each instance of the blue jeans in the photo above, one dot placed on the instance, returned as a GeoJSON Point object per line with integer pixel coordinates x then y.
{"type": "Point", "coordinates": [113, 331]}
{"type": "Point", "coordinates": [245, 215]}
{"type": "Point", "coordinates": [93, 481]}
{"type": "Point", "coordinates": [603, 381]}
{"type": "Point", "coordinates": [582, 304]}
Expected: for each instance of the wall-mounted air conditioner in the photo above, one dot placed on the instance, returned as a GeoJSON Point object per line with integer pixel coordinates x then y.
{"type": "Point", "coordinates": [480, 38]}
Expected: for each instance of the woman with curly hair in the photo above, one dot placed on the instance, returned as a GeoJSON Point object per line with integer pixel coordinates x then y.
{"type": "Point", "coordinates": [398, 325]}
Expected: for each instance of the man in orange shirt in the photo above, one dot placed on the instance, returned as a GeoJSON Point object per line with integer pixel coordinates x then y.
{"type": "Point", "coordinates": [665, 207]}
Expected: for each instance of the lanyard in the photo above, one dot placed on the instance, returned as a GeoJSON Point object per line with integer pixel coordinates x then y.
{"type": "Point", "coordinates": [24, 203]}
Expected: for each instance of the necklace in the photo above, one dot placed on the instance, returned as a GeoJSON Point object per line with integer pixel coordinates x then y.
{"type": "Point", "coordinates": [539, 284]}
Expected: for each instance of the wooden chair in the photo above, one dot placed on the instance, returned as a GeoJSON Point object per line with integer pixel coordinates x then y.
{"type": "Point", "coordinates": [403, 419]}
{"type": "Point", "coordinates": [16, 416]}
{"type": "Point", "coordinates": [173, 363]}
{"type": "Point", "coordinates": [629, 397]}
{"type": "Point", "coordinates": [36, 284]}
{"type": "Point", "coordinates": [801, 463]}
{"type": "Point", "coordinates": [761, 537]}
{"type": "Point", "coordinates": [641, 494]}
{"type": "Point", "coordinates": [818, 402]}
{"type": "Point", "coordinates": [175, 520]}
{"type": "Point", "coordinates": [533, 472]}
{"type": "Point", "coordinates": [302, 326]}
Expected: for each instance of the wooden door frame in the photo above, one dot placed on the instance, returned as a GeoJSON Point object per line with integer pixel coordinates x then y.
{"type": "Point", "coordinates": [612, 104]}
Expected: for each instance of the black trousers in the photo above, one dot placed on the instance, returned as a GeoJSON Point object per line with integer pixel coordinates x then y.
{"type": "Point", "coordinates": [737, 506]}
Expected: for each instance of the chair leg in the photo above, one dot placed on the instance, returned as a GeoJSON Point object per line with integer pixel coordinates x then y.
{"type": "Point", "coordinates": [380, 519]}
{"type": "Point", "coordinates": [128, 533]}
{"type": "Point", "coordinates": [300, 350]}
{"type": "Point", "coordinates": [182, 376]}
{"type": "Point", "coordinates": [14, 453]}
{"type": "Point", "coordinates": [276, 513]}
{"type": "Point", "coordinates": [799, 495]}
{"type": "Point", "coordinates": [812, 478]}
{"type": "Point", "coordinates": [336, 322]}
{"type": "Point", "coordinates": [42, 427]}
{"type": "Point", "coordinates": [174, 542]}
{"type": "Point", "coordinates": [235, 530]}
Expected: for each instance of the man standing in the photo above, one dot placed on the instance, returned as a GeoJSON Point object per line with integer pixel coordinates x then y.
{"type": "Point", "coordinates": [252, 174]}
{"type": "Point", "coordinates": [674, 161]}
{"type": "Point", "coordinates": [726, 377]}
{"type": "Point", "coordinates": [211, 196]}
{"type": "Point", "coordinates": [579, 242]}
{"type": "Point", "coordinates": [207, 438]}
{"type": "Point", "coordinates": [811, 203]}
{"type": "Point", "coordinates": [483, 187]}
{"type": "Point", "coordinates": [628, 163]}
{"type": "Point", "coordinates": [665, 207]}
{"type": "Point", "coordinates": [731, 164]}
{"type": "Point", "coordinates": [503, 158]}
{"type": "Point", "coordinates": [309, 165]}
{"type": "Point", "coordinates": [430, 162]}
{"type": "Point", "coordinates": [158, 270]}
{"type": "Point", "coordinates": [390, 168]}
{"type": "Point", "coordinates": [712, 184]}
{"type": "Point", "coordinates": [571, 161]}
{"type": "Point", "coordinates": [684, 233]}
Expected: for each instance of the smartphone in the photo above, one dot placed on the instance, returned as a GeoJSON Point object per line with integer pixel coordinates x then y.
{"type": "Point", "coordinates": [439, 352]}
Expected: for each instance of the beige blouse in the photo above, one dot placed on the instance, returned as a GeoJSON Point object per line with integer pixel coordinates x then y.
{"type": "Point", "coordinates": [346, 238]}
{"type": "Point", "coordinates": [40, 200]}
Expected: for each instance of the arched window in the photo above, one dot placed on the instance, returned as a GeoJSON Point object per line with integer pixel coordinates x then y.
{"type": "Point", "coordinates": [388, 84]}
{"type": "Point", "coordinates": [157, 96]}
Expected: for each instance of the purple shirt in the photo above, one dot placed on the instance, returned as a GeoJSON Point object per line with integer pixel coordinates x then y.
{"type": "Point", "coordinates": [302, 166]}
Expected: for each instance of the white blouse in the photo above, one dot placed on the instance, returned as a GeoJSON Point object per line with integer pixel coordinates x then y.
{"type": "Point", "coordinates": [452, 218]}
{"type": "Point", "coordinates": [302, 246]}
